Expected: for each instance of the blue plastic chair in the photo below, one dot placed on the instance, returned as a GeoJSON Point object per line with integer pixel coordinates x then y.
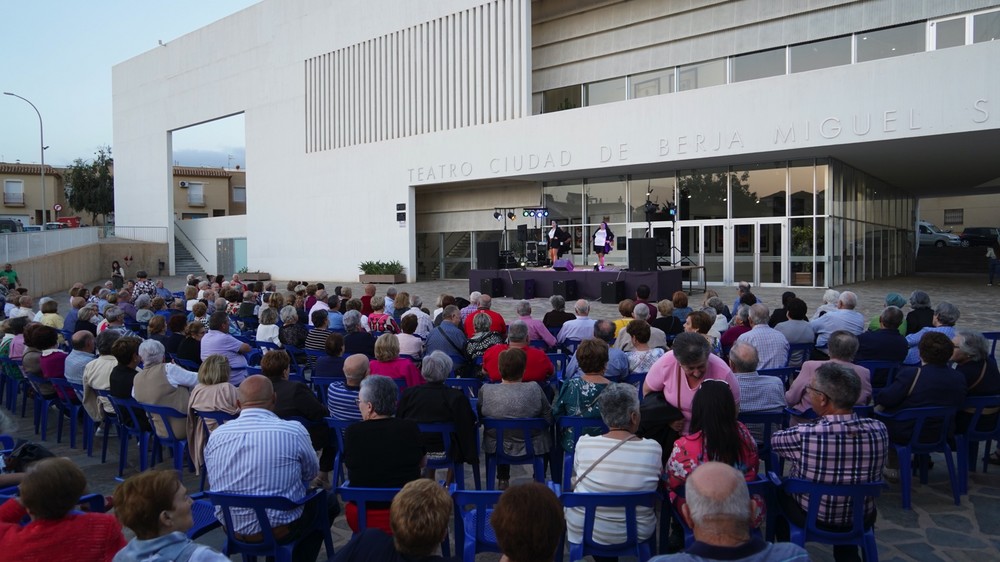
{"type": "Point", "coordinates": [448, 434]}
{"type": "Point", "coordinates": [42, 405]}
{"type": "Point", "coordinates": [269, 546]}
{"type": "Point", "coordinates": [856, 534]}
{"type": "Point", "coordinates": [979, 405]}
{"type": "Point", "coordinates": [125, 409]}
{"type": "Point", "coordinates": [767, 422]}
{"type": "Point", "coordinates": [559, 362]}
{"type": "Point", "coordinates": [361, 497]}
{"type": "Point", "coordinates": [293, 351]}
{"type": "Point", "coordinates": [473, 532]}
{"type": "Point", "coordinates": [468, 386]}
{"type": "Point", "coordinates": [888, 369]}
{"type": "Point", "coordinates": [798, 353]}
{"type": "Point", "coordinates": [994, 337]}
{"type": "Point", "coordinates": [920, 416]}
{"type": "Point", "coordinates": [577, 426]}
{"type": "Point", "coordinates": [71, 408]}
{"type": "Point", "coordinates": [629, 501]}
{"type": "Point", "coordinates": [636, 380]}
{"type": "Point", "coordinates": [177, 446]}
{"type": "Point", "coordinates": [525, 427]}
{"type": "Point", "coordinates": [784, 373]}
{"type": "Point", "coordinates": [763, 487]}
{"type": "Point", "coordinates": [186, 364]}
{"type": "Point", "coordinates": [570, 345]}
{"type": "Point", "coordinates": [203, 513]}
{"type": "Point", "coordinates": [322, 384]}
{"type": "Point", "coordinates": [219, 418]}
{"type": "Point", "coordinates": [16, 382]}
{"type": "Point", "coordinates": [337, 429]}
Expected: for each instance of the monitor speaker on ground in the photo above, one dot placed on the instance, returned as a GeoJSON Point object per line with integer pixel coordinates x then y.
{"type": "Point", "coordinates": [563, 265]}
{"type": "Point", "coordinates": [524, 289]}
{"type": "Point", "coordinates": [488, 255]}
{"type": "Point", "coordinates": [531, 252]}
{"type": "Point", "coordinates": [492, 286]}
{"type": "Point", "coordinates": [565, 288]}
{"type": "Point", "coordinates": [507, 260]}
{"type": "Point", "coordinates": [522, 233]}
{"type": "Point", "coordinates": [642, 254]}
{"type": "Point", "coordinates": [612, 292]}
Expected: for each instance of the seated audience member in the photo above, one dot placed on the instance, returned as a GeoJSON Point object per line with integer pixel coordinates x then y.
{"type": "Point", "coordinates": [497, 323]}
{"type": "Point", "coordinates": [424, 320]}
{"type": "Point", "coordinates": [709, 294]}
{"type": "Point", "coordinates": [316, 340]}
{"type": "Point", "coordinates": [771, 345]}
{"type": "Point", "coordinates": [972, 359]}
{"type": "Point", "coordinates": [175, 327]}
{"type": "Point", "coordinates": [720, 513]}
{"type": "Point", "coordinates": [356, 339]}
{"type": "Point", "coordinates": [796, 329]}
{"type": "Point", "coordinates": [891, 299]}
{"type": "Point", "coordinates": [379, 320]}
{"type": "Point", "coordinates": [844, 318]}
{"type": "Point", "coordinates": [665, 320]}
{"type": "Point", "coordinates": [400, 305]}
{"type": "Point", "coordinates": [213, 393]}
{"type": "Point", "coordinates": [50, 315]}
{"type": "Point", "coordinates": [580, 327]}
{"type": "Point", "coordinates": [945, 317]}
{"type": "Point", "coordinates": [296, 401]}
{"type": "Point", "coordinates": [218, 341]}
{"type": "Point", "coordinates": [75, 304]}
{"type": "Point", "coordinates": [84, 344]}
{"type": "Point", "coordinates": [471, 307]}
{"type": "Point", "coordinates": [49, 493]}
{"type": "Point", "coordinates": [538, 369]}
{"type": "Point", "coordinates": [830, 297]}
{"type": "Point", "coordinates": [513, 398]}
{"type": "Point", "coordinates": [744, 295]}
{"type": "Point", "coordinates": [758, 393]}
{"type": "Point", "coordinates": [579, 396]}
{"type": "Point", "coordinates": [641, 356]}
{"type": "Point", "coordinates": [381, 451]}
{"type": "Point", "coordinates": [657, 338]}
{"type": "Point", "coordinates": [291, 332]}
{"type": "Point", "coordinates": [156, 507]}
{"type": "Point", "coordinates": [617, 461]}
{"type": "Point", "coordinates": [199, 313]}
{"type": "Point", "coordinates": [837, 448]}
{"type": "Point", "coordinates": [157, 329]}
{"type": "Point", "coordinates": [625, 309]}
{"type": "Point", "coordinates": [617, 368]}
{"type": "Point", "coordinates": [85, 320]}
{"type": "Point", "coordinates": [483, 339]}
{"type": "Point", "coordinates": [933, 383]}
{"type": "Point", "coordinates": [97, 376]}
{"type": "Point", "coordinates": [443, 300]}
{"type": "Point", "coordinates": [681, 308]}
{"type": "Point", "coordinates": [16, 348]}
{"type": "Point", "coordinates": [714, 308]}
{"type": "Point", "coordinates": [884, 343]}
{"type": "Point", "coordinates": [332, 364]}
{"type": "Point", "coordinates": [267, 329]}
{"type": "Point", "coordinates": [143, 308]}
{"type": "Point", "coordinates": [342, 396]}
{"type": "Point", "coordinates": [368, 300]}
{"type": "Point", "coordinates": [842, 347]}
{"type": "Point", "coordinates": [51, 360]}
{"type": "Point", "coordinates": [449, 338]}
{"type": "Point", "coordinates": [190, 347]}
{"type": "Point", "coordinates": [233, 458]}
{"type": "Point", "coordinates": [537, 331]}
{"type": "Point", "coordinates": [388, 362]}
{"type": "Point", "coordinates": [642, 298]}
{"type": "Point", "coordinates": [419, 517]}
{"type": "Point", "coordinates": [436, 402]}
{"type": "Point", "coordinates": [389, 300]}
{"type": "Point", "coordinates": [680, 372]}
{"type": "Point", "coordinates": [122, 379]}
{"type": "Point", "coordinates": [741, 325]}
{"type": "Point", "coordinates": [30, 359]}
{"type": "Point", "coordinates": [535, 502]}
{"type": "Point", "coordinates": [558, 316]}
{"type": "Point", "coordinates": [409, 343]}
{"type": "Point", "coordinates": [921, 314]}
{"type": "Point", "coordinates": [699, 322]}
{"type": "Point", "coordinates": [716, 435]}
{"type": "Point", "coordinates": [163, 384]}
{"type": "Point", "coordinates": [780, 315]}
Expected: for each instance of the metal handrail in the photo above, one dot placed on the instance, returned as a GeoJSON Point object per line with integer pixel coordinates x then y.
{"type": "Point", "coordinates": [177, 228]}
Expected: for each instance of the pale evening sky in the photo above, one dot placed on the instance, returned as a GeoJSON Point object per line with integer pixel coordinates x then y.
{"type": "Point", "coordinates": [59, 54]}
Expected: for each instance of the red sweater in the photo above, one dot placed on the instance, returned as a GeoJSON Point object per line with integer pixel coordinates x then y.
{"type": "Point", "coordinates": [87, 537]}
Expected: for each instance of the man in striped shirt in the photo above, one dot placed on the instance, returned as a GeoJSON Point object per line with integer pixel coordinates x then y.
{"type": "Point", "coordinates": [259, 454]}
{"type": "Point", "coordinates": [342, 397]}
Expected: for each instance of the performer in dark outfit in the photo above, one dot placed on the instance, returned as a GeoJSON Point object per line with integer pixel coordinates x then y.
{"type": "Point", "coordinates": [558, 242]}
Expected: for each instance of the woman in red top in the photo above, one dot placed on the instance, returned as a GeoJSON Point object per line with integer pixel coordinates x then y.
{"type": "Point", "coordinates": [49, 491]}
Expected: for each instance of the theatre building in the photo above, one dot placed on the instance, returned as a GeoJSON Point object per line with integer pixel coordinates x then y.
{"type": "Point", "coordinates": [782, 143]}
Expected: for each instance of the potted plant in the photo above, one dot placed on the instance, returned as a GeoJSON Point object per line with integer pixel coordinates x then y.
{"type": "Point", "coordinates": [381, 272]}
{"type": "Point", "coordinates": [802, 245]}
{"type": "Point", "coordinates": [253, 276]}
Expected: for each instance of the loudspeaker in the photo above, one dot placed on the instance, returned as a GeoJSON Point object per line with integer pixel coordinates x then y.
{"type": "Point", "coordinates": [531, 253]}
{"type": "Point", "coordinates": [488, 255]}
{"type": "Point", "coordinates": [612, 292]}
{"type": "Point", "coordinates": [507, 260]}
{"type": "Point", "coordinates": [563, 265]}
{"type": "Point", "coordinates": [524, 289]}
{"type": "Point", "coordinates": [565, 289]}
{"type": "Point", "coordinates": [642, 254]}
{"type": "Point", "coordinates": [522, 233]}
{"type": "Point", "coordinates": [621, 243]}
{"type": "Point", "coordinates": [492, 286]}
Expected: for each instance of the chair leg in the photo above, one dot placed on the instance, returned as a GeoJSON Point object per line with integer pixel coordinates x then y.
{"type": "Point", "coordinates": [123, 439]}
{"type": "Point", "coordinates": [869, 548]}
{"type": "Point", "coordinates": [477, 476]}
{"type": "Point", "coordinates": [491, 472]}
{"type": "Point", "coordinates": [956, 486]}
{"type": "Point", "coordinates": [962, 443]}
{"type": "Point", "coordinates": [905, 475]}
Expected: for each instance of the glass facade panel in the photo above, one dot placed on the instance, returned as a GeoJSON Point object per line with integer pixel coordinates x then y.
{"type": "Point", "coordinates": [652, 83]}
{"type": "Point", "coordinates": [606, 202]}
{"type": "Point", "coordinates": [661, 192]}
{"type": "Point", "coordinates": [820, 54]}
{"type": "Point", "coordinates": [950, 33]}
{"type": "Point", "coordinates": [744, 238]}
{"type": "Point", "coordinates": [771, 247]}
{"type": "Point", "coordinates": [606, 91]}
{"type": "Point", "coordinates": [822, 176]}
{"type": "Point", "coordinates": [892, 42]}
{"type": "Point", "coordinates": [714, 256]}
{"type": "Point", "coordinates": [800, 181]}
{"type": "Point", "coordinates": [702, 75]}
{"type": "Point", "coordinates": [702, 194]}
{"type": "Point", "coordinates": [560, 99]}
{"type": "Point", "coordinates": [759, 65]}
{"type": "Point", "coordinates": [986, 27]}
{"type": "Point", "coordinates": [801, 255]}
{"type": "Point", "coordinates": [758, 191]}
{"type": "Point", "coordinates": [564, 200]}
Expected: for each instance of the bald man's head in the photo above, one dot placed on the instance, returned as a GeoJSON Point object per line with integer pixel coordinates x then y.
{"type": "Point", "coordinates": [718, 506]}
{"type": "Point", "coordinates": [256, 391]}
{"type": "Point", "coordinates": [356, 368]}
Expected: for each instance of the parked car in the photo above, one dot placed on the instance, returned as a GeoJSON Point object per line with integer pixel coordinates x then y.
{"type": "Point", "coordinates": [32, 228]}
{"type": "Point", "coordinates": [979, 236]}
{"type": "Point", "coordinates": [8, 225]}
{"type": "Point", "coordinates": [931, 235]}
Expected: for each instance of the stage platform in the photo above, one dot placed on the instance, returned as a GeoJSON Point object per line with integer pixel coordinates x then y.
{"type": "Point", "coordinates": [662, 284]}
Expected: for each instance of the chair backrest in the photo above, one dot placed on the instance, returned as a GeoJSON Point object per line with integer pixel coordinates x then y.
{"type": "Point", "coordinates": [798, 353]}
{"type": "Point", "coordinates": [337, 429]}
{"type": "Point", "coordinates": [523, 426]}
{"type": "Point", "coordinates": [65, 392]}
{"type": "Point", "coordinates": [559, 362]}
{"type": "Point", "coordinates": [322, 384]}
{"type": "Point", "coordinates": [258, 506]}
{"type": "Point", "coordinates": [265, 345]}
{"type": "Point", "coordinates": [447, 432]}
{"type": "Point", "coordinates": [218, 417]}
{"type": "Point", "coordinates": [629, 501]}
{"type": "Point", "coordinates": [164, 414]}
{"type": "Point", "coordinates": [920, 417]}
{"type": "Point", "coordinates": [186, 364]}
{"type": "Point", "coordinates": [882, 372]}
{"type": "Point", "coordinates": [855, 494]}
{"type": "Point", "coordinates": [482, 502]}
{"type": "Point", "coordinates": [570, 345]}
{"type": "Point", "coordinates": [125, 409]}
{"type": "Point", "coordinates": [994, 337]}
{"type": "Point", "coordinates": [577, 425]}
{"type": "Point", "coordinates": [362, 497]}
{"type": "Point", "coordinates": [783, 373]}
{"type": "Point", "coordinates": [636, 380]}
{"type": "Point", "coordinates": [977, 405]}
{"type": "Point", "coordinates": [468, 386]}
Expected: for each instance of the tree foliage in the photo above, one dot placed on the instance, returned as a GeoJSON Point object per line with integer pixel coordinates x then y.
{"type": "Point", "coordinates": [90, 185]}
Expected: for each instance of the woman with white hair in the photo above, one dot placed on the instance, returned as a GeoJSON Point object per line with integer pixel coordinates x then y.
{"type": "Point", "coordinates": [163, 384]}
{"type": "Point", "coordinates": [830, 298]}
{"type": "Point", "coordinates": [356, 339]}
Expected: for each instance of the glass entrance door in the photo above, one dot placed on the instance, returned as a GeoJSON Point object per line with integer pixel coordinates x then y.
{"type": "Point", "coordinates": [703, 244]}
{"type": "Point", "coordinates": [758, 250]}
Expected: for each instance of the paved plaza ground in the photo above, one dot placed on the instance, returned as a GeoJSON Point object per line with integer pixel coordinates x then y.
{"type": "Point", "coordinates": [935, 529]}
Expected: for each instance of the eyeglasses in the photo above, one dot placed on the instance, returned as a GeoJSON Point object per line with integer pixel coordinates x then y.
{"type": "Point", "coordinates": [818, 391]}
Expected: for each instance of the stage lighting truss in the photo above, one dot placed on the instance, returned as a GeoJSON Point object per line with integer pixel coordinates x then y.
{"type": "Point", "coordinates": [500, 212]}
{"type": "Point", "coordinates": [536, 213]}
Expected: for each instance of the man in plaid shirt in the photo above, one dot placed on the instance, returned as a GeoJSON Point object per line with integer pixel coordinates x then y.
{"type": "Point", "coordinates": [838, 448]}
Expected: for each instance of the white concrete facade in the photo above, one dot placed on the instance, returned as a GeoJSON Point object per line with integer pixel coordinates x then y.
{"type": "Point", "coordinates": [914, 111]}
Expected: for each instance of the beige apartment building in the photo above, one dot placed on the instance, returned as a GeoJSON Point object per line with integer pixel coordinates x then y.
{"type": "Point", "coordinates": [209, 192]}
{"type": "Point", "coordinates": [959, 213]}
{"type": "Point", "coordinates": [22, 193]}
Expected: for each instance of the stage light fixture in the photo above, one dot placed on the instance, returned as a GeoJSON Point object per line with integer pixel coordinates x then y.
{"type": "Point", "coordinates": [545, 212]}
{"type": "Point", "coordinates": [525, 213]}
{"type": "Point", "coordinates": [497, 215]}
{"type": "Point", "coordinates": [511, 215]}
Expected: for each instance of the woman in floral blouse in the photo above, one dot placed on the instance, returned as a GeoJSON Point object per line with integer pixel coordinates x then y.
{"type": "Point", "coordinates": [642, 357]}
{"type": "Point", "coordinates": [578, 396]}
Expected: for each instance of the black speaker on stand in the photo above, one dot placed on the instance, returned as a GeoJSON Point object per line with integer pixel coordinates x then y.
{"type": "Point", "coordinates": [565, 288]}
{"type": "Point", "coordinates": [488, 255]}
{"type": "Point", "coordinates": [642, 254]}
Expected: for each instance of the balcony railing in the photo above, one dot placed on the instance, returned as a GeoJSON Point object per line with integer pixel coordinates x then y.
{"type": "Point", "coordinates": [13, 199]}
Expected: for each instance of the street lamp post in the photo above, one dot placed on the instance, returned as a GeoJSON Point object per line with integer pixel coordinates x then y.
{"type": "Point", "coordinates": [41, 136]}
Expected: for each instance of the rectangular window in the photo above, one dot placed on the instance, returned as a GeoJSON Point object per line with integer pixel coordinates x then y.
{"type": "Point", "coordinates": [652, 83]}
{"type": "Point", "coordinates": [13, 193]}
{"type": "Point", "coordinates": [559, 99]}
{"type": "Point", "coordinates": [606, 91]}
{"type": "Point", "coordinates": [196, 194]}
{"type": "Point", "coordinates": [986, 27]}
{"type": "Point", "coordinates": [820, 54]}
{"type": "Point", "coordinates": [239, 194]}
{"type": "Point", "coordinates": [702, 75]}
{"type": "Point", "coordinates": [891, 42]}
{"type": "Point", "coordinates": [759, 65]}
{"type": "Point", "coordinates": [949, 33]}
{"type": "Point", "coordinates": [954, 216]}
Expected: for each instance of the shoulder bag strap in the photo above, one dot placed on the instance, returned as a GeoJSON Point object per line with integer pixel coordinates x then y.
{"type": "Point", "coordinates": [580, 478]}
{"type": "Point", "coordinates": [914, 383]}
{"type": "Point", "coordinates": [455, 347]}
{"type": "Point", "coordinates": [982, 374]}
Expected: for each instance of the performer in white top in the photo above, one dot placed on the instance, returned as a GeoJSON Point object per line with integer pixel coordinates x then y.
{"type": "Point", "coordinates": [603, 238]}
